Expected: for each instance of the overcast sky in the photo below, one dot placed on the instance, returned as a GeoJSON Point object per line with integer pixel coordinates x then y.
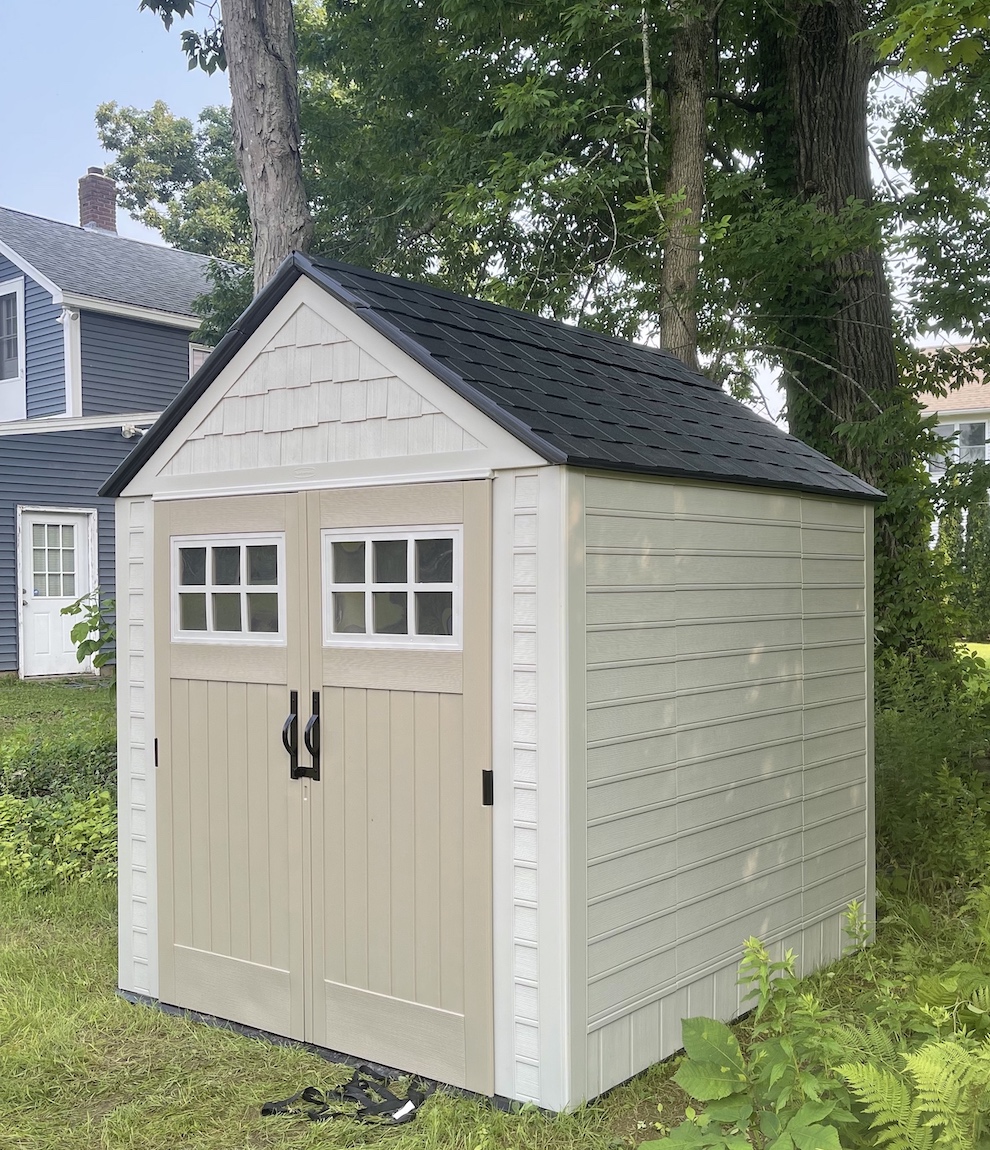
{"type": "Point", "coordinates": [61, 58]}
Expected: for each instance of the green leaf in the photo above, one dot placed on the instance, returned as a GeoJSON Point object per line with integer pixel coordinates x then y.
{"type": "Point", "coordinates": [816, 1138]}
{"type": "Point", "coordinates": [707, 1040]}
{"type": "Point", "coordinates": [811, 1113]}
{"type": "Point", "coordinates": [707, 1081]}
{"type": "Point", "coordinates": [736, 1110]}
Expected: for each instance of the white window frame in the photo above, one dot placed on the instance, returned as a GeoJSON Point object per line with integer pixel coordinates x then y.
{"type": "Point", "coordinates": [193, 349]}
{"type": "Point", "coordinates": [410, 642]}
{"type": "Point", "coordinates": [937, 467]}
{"type": "Point", "coordinates": [15, 287]}
{"type": "Point", "coordinates": [229, 638]}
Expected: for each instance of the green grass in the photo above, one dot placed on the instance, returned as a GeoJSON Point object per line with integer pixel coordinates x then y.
{"type": "Point", "coordinates": [55, 706]}
{"type": "Point", "coordinates": [81, 1069]}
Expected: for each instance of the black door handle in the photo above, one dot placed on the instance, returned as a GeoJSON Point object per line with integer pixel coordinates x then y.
{"type": "Point", "coordinates": [311, 737]}
{"type": "Point", "coordinates": [290, 735]}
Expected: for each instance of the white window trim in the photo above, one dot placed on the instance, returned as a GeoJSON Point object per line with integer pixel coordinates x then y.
{"type": "Point", "coordinates": [937, 467]}
{"type": "Point", "coordinates": [229, 638]}
{"type": "Point", "coordinates": [193, 348]}
{"type": "Point", "coordinates": [452, 642]}
{"type": "Point", "coordinates": [15, 287]}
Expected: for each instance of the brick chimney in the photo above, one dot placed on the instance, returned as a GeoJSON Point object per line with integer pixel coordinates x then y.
{"type": "Point", "coordinates": [98, 202]}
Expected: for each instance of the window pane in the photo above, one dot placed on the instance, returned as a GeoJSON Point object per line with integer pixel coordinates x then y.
{"type": "Point", "coordinates": [390, 561]}
{"type": "Point", "coordinates": [262, 565]}
{"type": "Point", "coordinates": [434, 613]}
{"type": "Point", "coordinates": [226, 612]}
{"type": "Point", "coordinates": [38, 535]}
{"type": "Point", "coordinates": [54, 560]}
{"type": "Point", "coordinates": [41, 584]}
{"type": "Point", "coordinates": [54, 535]}
{"type": "Point", "coordinates": [435, 562]}
{"type": "Point", "coordinates": [8, 337]}
{"type": "Point", "coordinates": [227, 570]}
{"type": "Point", "coordinates": [68, 560]}
{"type": "Point", "coordinates": [391, 614]}
{"type": "Point", "coordinates": [67, 534]}
{"type": "Point", "coordinates": [55, 586]}
{"type": "Point", "coordinates": [68, 584]}
{"type": "Point", "coordinates": [348, 563]}
{"type": "Point", "coordinates": [348, 612]}
{"type": "Point", "coordinates": [262, 611]}
{"type": "Point", "coordinates": [192, 567]}
{"type": "Point", "coordinates": [192, 612]}
{"type": "Point", "coordinates": [39, 560]}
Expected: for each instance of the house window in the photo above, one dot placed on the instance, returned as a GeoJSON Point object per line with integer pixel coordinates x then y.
{"type": "Point", "coordinates": [228, 589]}
{"type": "Point", "coordinates": [392, 588]}
{"type": "Point", "coordinates": [197, 357]}
{"type": "Point", "coordinates": [12, 392]}
{"type": "Point", "coordinates": [969, 444]}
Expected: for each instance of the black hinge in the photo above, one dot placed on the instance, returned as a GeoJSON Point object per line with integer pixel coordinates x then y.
{"type": "Point", "coordinates": [156, 752]}
{"type": "Point", "coordinates": [487, 788]}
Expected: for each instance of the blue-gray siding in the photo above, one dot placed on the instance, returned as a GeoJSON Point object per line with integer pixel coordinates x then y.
{"type": "Point", "coordinates": [54, 469]}
{"type": "Point", "coordinates": [44, 353]}
{"type": "Point", "coordinates": [129, 365]}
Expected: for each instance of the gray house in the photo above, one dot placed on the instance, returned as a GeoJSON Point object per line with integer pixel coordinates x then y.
{"type": "Point", "coordinates": [94, 343]}
{"type": "Point", "coordinates": [484, 682]}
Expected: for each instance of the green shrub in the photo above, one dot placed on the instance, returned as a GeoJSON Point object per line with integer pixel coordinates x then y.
{"type": "Point", "coordinates": [60, 759]}
{"type": "Point", "coordinates": [52, 839]}
{"type": "Point", "coordinates": [932, 732]}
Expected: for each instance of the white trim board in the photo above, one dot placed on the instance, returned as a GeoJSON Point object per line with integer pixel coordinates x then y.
{"type": "Point", "coordinates": [53, 423]}
{"type": "Point", "coordinates": [72, 356]}
{"type": "Point", "coordinates": [129, 310]}
{"type": "Point", "coordinates": [31, 271]}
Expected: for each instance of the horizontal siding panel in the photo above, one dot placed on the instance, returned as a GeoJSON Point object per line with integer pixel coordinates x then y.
{"type": "Point", "coordinates": [731, 670]}
{"type": "Point", "coordinates": [616, 683]}
{"type": "Point", "coordinates": [632, 642]}
{"type": "Point", "coordinates": [723, 940]}
{"type": "Point", "coordinates": [735, 570]}
{"type": "Point", "coordinates": [640, 570]}
{"type": "Point", "coordinates": [834, 685]}
{"type": "Point", "coordinates": [837, 657]}
{"type": "Point", "coordinates": [731, 602]}
{"type": "Point", "coordinates": [732, 734]}
{"type": "Point", "coordinates": [612, 799]}
{"type": "Point", "coordinates": [644, 902]}
{"type": "Point", "coordinates": [747, 636]}
{"type": "Point", "coordinates": [611, 720]}
{"type": "Point", "coordinates": [768, 761]}
{"type": "Point", "coordinates": [820, 572]}
{"type": "Point", "coordinates": [130, 365]}
{"type": "Point", "coordinates": [740, 895]}
{"type": "Point", "coordinates": [629, 495]}
{"type": "Point", "coordinates": [732, 800]}
{"type": "Point", "coordinates": [713, 704]}
{"type": "Point", "coordinates": [626, 947]}
{"type": "Point", "coordinates": [631, 754]}
{"type": "Point", "coordinates": [651, 974]}
{"type": "Point", "coordinates": [640, 865]}
{"type": "Point", "coordinates": [833, 513]}
{"type": "Point", "coordinates": [631, 832]}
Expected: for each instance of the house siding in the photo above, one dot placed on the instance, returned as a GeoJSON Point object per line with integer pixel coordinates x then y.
{"type": "Point", "coordinates": [56, 469]}
{"type": "Point", "coordinates": [44, 351]}
{"type": "Point", "coordinates": [130, 365]}
{"type": "Point", "coordinates": [727, 760]}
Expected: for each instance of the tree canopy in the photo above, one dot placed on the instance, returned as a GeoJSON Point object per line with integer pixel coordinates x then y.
{"type": "Point", "coordinates": [748, 177]}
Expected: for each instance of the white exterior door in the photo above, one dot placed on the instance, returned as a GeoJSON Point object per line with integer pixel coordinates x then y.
{"type": "Point", "coordinates": [56, 568]}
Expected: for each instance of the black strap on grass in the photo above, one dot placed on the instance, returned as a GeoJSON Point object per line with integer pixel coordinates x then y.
{"type": "Point", "coordinates": [360, 1092]}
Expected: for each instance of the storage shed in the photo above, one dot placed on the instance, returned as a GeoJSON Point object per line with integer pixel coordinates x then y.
{"type": "Point", "coordinates": [484, 682]}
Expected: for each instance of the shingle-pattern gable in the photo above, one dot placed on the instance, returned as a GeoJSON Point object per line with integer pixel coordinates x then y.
{"type": "Point", "coordinates": [107, 267]}
{"type": "Point", "coordinates": [599, 401]}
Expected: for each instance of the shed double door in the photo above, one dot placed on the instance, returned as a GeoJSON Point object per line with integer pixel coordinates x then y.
{"type": "Point", "coordinates": [353, 912]}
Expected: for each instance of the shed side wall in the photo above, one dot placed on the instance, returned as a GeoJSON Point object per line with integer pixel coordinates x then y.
{"type": "Point", "coordinates": [727, 777]}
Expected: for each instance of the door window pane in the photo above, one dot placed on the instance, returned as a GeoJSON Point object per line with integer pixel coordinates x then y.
{"type": "Point", "coordinates": [38, 534]}
{"type": "Point", "coordinates": [192, 612]}
{"type": "Point", "coordinates": [434, 560]}
{"type": "Point", "coordinates": [434, 613]}
{"type": "Point", "coordinates": [348, 612]}
{"type": "Point", "coordinates": [54, 535]}
{"type": "Point", "coordinates": [390, 561]}
{"type": "Point", "coordinates": [227, 568]}
{"type": "Point", "coordinates": [68, 585]}
{"type": "Point", "coordinates": [68, 534]}
{"type": "Point", "coordinates": [391, 615]}
{"type": "Point", "coordinates": [41, 584]}
{"type": "Point", "coordinates": [55, 586]}
{"type": "Point", "coordinates": [192, 566]}
{"type": "Point", "coordinates": [348, 562]}
{"type": "Point", "coordinates": [262, 565]}
{"type": "Point", "coordinates": [226, 612]}
{"type": "Point", "coordinates": [262, 612]}
{"type": "Point", "coordinates": [54, 560]}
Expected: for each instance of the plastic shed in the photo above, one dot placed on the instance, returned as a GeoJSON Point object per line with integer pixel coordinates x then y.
{"type": "Point", "coordinates": [484, 682]}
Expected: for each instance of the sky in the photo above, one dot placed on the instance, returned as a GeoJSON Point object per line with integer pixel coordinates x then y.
{"type": "Point", "coordinates": [61, 58]}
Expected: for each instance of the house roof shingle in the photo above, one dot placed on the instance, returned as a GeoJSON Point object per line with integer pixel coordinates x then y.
{"type": "Point", "coordinates": [107, 267]}
{"type": "Point", "coordinates": [573, 395]}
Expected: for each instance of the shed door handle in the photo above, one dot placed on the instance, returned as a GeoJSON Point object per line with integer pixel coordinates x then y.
{"type": "Point", "coordinates": [311, 737]}
{"type": "Point", "coordinates": [290, 735]}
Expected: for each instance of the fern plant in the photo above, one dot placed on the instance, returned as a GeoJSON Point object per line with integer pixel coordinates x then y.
{"type": "Point", "coordinates": [941, 1099]}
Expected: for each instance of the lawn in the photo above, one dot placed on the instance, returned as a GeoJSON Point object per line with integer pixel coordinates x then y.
{"type": "Point", "coordinates": [82, 1069]}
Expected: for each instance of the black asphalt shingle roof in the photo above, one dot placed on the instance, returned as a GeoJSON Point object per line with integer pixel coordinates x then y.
{"type": "Point", "coordinates": [107, 267]}
{"type": "Point", "coordinates": [573, 395]}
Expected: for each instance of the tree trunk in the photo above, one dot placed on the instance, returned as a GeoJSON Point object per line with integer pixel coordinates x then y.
{"type": "Point", "coordinates": [687, 91]}
{"type": "Point", "coordinates": [260, 43]}
{"type": "Point", "coordinates": [829, 65]}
